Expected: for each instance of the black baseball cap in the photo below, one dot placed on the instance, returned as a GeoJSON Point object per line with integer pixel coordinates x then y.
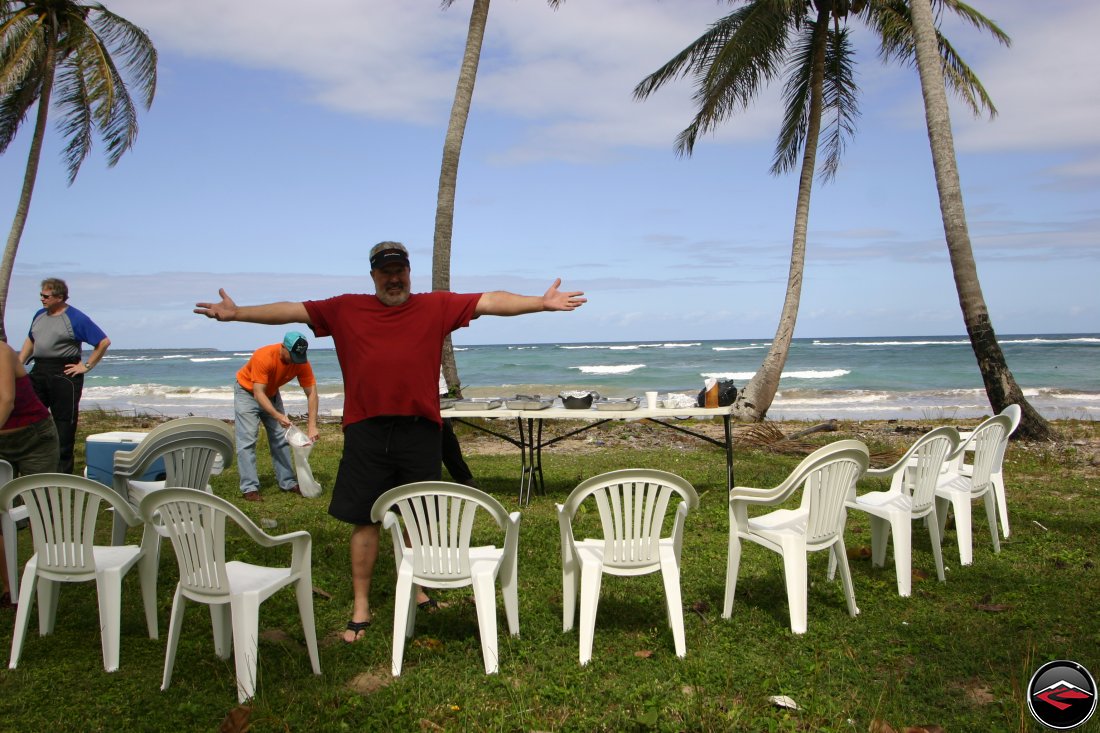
{"type": "Point", "coordinates": [385, 253]}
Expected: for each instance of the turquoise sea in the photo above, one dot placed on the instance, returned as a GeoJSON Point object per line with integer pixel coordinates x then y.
{"type": "Point", "coordinates": [909, 378]}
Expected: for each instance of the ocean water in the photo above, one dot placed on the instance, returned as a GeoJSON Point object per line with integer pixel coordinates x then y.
{"type": "Point", "coordinates": [910, 378]}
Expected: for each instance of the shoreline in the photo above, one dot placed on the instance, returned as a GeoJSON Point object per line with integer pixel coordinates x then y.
{"type": "Point", "coordinates": [797, 405]}
{"type": "Point", "coordinates": [1078, 436]}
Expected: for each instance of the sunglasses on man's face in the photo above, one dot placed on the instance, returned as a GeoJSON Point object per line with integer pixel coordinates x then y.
{"type": "Point", "coordinates": [45, 296]}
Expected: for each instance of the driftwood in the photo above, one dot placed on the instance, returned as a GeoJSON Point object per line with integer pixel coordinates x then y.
{"type": "Point", "coordinates": [829, 427]}
{"type": "Point", "coordinates": [766, 436]}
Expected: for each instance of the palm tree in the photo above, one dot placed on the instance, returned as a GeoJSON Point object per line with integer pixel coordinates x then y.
{"type": "Point", "coordinates": [448, 172]}
{"type": "Point", "coordinates": [1000, 385]}
{"type": "Point", "coordinates": [733, 60]}
{"type": "Point", "coordinates": [69, 47]}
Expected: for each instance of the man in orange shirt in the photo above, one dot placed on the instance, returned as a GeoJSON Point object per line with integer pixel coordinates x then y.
{"type": "Point", "coordinates": [256, 399]}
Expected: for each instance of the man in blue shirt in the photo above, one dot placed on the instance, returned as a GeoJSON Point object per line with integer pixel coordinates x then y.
{"type": "Point", "coordinates": [56, 333]}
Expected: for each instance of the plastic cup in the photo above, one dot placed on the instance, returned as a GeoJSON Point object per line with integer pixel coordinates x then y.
{"type": "Point", "coordinates": [651, 400]}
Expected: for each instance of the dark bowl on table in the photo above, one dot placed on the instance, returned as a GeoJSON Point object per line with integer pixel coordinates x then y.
{"type": "Point", "coordinates": [571, 402]}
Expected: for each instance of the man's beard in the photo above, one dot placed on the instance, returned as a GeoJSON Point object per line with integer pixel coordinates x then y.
{"type": "Point", "coordinates": [391, 298]}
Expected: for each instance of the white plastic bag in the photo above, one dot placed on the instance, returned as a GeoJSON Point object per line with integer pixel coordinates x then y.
{"type": "Point", "coordinates": [301, 447]}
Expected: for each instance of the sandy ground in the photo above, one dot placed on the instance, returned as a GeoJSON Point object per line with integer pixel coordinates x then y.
{"type": "Point", "coordinates": [1082, 438]}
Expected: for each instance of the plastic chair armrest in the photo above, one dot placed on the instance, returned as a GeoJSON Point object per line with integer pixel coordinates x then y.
{"type": "Point", "coordinates": [751, 495]}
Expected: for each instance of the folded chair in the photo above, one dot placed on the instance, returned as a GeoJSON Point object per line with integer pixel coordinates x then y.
{"type": "Point", "coordinates": [438, 519]}
{"type": "Point", "coordinates": [195, 521]}
{"type": "Point", "coordinates": [827, 478]}
{"type": "Point", "coordinates": [956, 489]}
{"type": "Point", "coordinates": [633, 508]}
{"type": "Point", "coordinates": [63, 511]}
{"type": "Point", "coordinates": [911, 496]}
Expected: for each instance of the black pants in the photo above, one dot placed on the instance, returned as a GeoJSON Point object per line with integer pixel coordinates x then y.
{"type": "Point", "coordinates": [61, 394]}
{"type": "Point", "coordinates": [452, 455]}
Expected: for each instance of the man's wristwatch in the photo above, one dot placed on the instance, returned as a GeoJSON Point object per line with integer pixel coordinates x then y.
{"type": "Point", "coordinates": [88, 366]}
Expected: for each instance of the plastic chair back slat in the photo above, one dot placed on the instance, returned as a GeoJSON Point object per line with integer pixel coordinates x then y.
{"type": "Point", "coordinates": [987, 443]}
{"type": "Point", "coordinates": [924, 470]}
{"type": "Point", "coordinates": [827, 488]}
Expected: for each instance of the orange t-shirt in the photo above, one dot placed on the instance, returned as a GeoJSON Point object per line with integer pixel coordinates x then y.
{"type": "Point", "coordinates": [266, 367]}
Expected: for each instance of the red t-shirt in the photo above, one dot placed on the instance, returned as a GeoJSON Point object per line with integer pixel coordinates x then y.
{"type": "Point", "coordinates": [389, 355]}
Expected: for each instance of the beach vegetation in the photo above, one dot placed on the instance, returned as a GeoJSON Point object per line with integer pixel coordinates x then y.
{"type": "Point", "coordinates": [908, 31]}
{"type": "Point", "coordinates": [808, 44]}
{"type": "Point", "coordinates": [958, 654]}
{"type": "Point", "coordinates": [81, 61]}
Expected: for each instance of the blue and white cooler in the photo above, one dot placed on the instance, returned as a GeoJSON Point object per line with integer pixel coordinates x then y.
{"type": "Point", "coordinates": [99, 455]}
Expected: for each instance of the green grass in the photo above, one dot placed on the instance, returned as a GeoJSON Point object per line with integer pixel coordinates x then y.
{"type": "Point", "coordinates": [958, 655]}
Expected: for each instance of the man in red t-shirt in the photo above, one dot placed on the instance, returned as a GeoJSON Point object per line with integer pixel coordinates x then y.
{"type": "Point", "coordinates": [256, 399]}
{"type": "Point", "coordinates": [388, 345]}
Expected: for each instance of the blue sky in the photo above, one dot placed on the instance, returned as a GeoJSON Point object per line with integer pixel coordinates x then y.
{"type": "Point", "coordinates": [281, 147]}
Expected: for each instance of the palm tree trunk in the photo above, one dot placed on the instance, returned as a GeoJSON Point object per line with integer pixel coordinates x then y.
{"type": "Point", "coordinates": [448, 173]}
{"type": "Point", "coordinates": [1000, 385]}
{"type": "Point", "coordinates": [755, 399]}
{"type": "Point", "coordinates": [22, 209]}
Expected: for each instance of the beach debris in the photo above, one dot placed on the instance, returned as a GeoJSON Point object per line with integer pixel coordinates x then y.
{"type": "Point", "coordinates": [860, 552]}
{"type": "Point", "coordinates": [366, 683]}
{"type": "Point", "coordinates": [238, 720]}
{"type": "Point", "coordinates": [993, 607]}
{"type": "Point", "coordinates": [828, 426]}
{"type": "Point", "coordinates": [767, 436]}
{"type": "Point", "coordinates": [782, 701]}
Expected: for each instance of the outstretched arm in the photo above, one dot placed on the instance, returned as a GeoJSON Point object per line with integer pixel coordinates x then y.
{"type": "Point", "coordinates": [269, 313]}
{"type": "Point", "coordinates": [502, 303]}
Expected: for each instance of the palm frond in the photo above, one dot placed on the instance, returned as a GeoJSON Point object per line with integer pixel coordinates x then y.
{"type": "Point", "coordinates": [72, 101]}
{"type": "Point", "coordinates": [975, 18]}
{"type": "Point", "coordinates": [739, 68]}
{"type": "Point", "coordinates": [797, 97]}
{"type": "Point", "coordinates": [694, 57]}
{"type": "Point", "coordinates": [893, 24]}
{"type": "Point", "coordinates": [119, 125]}
{"type": "Point", "coordinates": [22, 51]}
{"type": "Point", "coordinates": [132, 44]}
{"type": "Point", "coordinates": [840, 100]}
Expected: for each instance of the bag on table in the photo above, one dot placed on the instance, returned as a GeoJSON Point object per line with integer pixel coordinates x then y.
{"type": "Point", "coordinates": [723, 389]}
{"type": "Point", "coordinates": [301, 447]}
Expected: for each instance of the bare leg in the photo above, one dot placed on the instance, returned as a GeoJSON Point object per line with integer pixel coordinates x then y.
{"type": "Point", "coordinates": [364, 553]}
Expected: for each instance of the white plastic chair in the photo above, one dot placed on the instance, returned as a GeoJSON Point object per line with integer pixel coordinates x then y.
{"type": "Point", "coordinates": [191, 448]}
{"type": "Point", "coordinates": [996, 474]}
{"type": "Point", "coordinates": [956, 489]}
{"type": "Point", "coordinates": [633, 508]}
{"type": "Point", "coordinates": [438, 518]}
{"type": "Point", "coordinates": [911, 496]}
{"type": "Point", "coordinates": [195, 522]}
{"type": "Point", "coordinates": [9, 527]}
{"type": "Point", "coordinates": [828, 476]}
{"type": "Point", "coordinates": [63, 511]}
